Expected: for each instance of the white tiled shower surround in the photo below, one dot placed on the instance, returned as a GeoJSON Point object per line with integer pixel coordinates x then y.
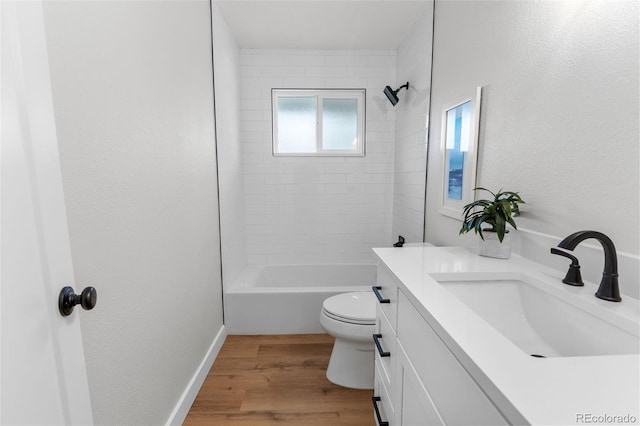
{"type": "Point", "coordinates": [320, 210]}
{"type": "Point", "coordinates": [413, 64]}
{"type": "Point", "coordinates": [316, 209]}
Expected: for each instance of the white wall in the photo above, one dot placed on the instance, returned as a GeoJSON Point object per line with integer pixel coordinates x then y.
{"type": "Point", "coordinates": [413, 64]}
{"type": "Point", "coordinates": [559, 120]}
{"type": "Point", "coordinates": [227, 92]}
{"type": "Point", "coordinates": [132, 86]}
{"type": "Point", "coordinates": [316, 209]}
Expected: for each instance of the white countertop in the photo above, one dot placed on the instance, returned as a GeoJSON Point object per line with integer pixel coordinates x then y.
{"type": "Point", "coordinates": [525, 389]}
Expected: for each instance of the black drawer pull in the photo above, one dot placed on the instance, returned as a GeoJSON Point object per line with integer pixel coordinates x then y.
{"type": "Point", "coordinates": [379, 346]}
{"type": "Point", "coordinates": [381, 299]}
{"type": "Point", "coordinates": [375, 400]}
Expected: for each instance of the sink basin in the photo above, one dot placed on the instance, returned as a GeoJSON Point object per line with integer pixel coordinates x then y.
{"type": "Point", "coordinates": [542, 324]}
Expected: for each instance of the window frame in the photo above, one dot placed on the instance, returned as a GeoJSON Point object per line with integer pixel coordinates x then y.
{"type": "Point", "coordinates": [359, 94]}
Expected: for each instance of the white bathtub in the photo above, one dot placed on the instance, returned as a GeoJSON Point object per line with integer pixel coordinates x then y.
{"type": "Point", "coordinates": [286, 299]}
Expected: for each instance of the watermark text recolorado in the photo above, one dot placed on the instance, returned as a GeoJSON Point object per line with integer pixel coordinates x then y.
{"type": "Point", "coordinates": [603, 419]}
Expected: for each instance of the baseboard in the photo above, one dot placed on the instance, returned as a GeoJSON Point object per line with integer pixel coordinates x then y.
{"type": "Point", "coordinates": [191, 391]}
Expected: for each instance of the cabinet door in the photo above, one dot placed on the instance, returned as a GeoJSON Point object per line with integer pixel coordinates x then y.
{"type": "Point", "coordinates": [459, 399]}
{"type": "Point", "coordinates": [415, 407]}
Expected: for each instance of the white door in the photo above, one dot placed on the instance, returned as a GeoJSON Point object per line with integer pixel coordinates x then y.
{"type": "Point", "coordinates": [42, 371]}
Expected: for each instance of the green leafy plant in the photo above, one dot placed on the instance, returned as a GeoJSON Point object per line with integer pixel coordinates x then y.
{"type": "Point", "coordinates": [497, 213]}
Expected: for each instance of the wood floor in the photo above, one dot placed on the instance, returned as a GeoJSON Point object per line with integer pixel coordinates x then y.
{"type": "Point", "coordinates": [275, 380]}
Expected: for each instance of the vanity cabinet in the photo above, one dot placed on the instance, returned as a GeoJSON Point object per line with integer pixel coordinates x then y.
{"type": "Point", "coordinates": [420, 382]}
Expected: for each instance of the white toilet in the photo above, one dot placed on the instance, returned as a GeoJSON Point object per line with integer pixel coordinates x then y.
{"type": "Point", "coordinates": [351, 319]}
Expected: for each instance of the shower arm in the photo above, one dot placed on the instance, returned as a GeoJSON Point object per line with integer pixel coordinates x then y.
{"type": "Point", "coordinates": [404, 86]}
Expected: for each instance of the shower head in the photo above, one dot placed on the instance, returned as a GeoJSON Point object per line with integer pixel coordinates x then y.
{"type": "Point", "coordinates": [392, 95]}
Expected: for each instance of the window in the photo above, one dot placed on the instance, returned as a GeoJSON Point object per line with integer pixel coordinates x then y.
{"type": "Point", "coordinates": [318, 122]}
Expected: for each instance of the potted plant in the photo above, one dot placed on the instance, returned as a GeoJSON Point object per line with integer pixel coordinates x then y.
{"type": "Point", "coordinates": [495, 241]}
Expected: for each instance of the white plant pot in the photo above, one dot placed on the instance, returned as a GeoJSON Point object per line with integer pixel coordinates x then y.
{"type": "Point", "coordinates": [492, 247]}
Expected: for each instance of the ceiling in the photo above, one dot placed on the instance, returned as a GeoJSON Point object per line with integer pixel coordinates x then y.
{"type": "Point", "coordinates": [321, 24]}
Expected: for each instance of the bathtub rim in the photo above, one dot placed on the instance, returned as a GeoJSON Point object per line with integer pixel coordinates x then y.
{"type": "Point", "coordinates": [251, 272]}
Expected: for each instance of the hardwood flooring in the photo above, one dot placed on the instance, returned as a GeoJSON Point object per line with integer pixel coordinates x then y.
{"type": "Point", "coordinates": [275, 380]}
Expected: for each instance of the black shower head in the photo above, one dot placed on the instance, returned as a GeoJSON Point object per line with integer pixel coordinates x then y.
{"type": "Point", "coordinates": [392, 95]}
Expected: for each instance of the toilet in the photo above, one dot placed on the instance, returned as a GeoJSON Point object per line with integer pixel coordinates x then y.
{"type": "Point", "coordinates": [351, 319]}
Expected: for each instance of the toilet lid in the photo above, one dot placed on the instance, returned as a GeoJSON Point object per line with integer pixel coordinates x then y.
{"type": "Point", "coordinates": [358, 306]}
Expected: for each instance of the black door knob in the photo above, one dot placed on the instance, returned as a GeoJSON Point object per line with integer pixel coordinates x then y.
{"type": "Point", "coordinates": [68, 299]}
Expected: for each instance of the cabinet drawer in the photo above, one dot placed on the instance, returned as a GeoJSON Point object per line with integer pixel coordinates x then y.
{"type": "Point", "coordinates": [387, 341]}
{"type": "Point", "coordinates": [459, 399]}
{"type": "Point", "coordinates": [385, 406]}
{"type": "Point", "coordinates": [388, 292]}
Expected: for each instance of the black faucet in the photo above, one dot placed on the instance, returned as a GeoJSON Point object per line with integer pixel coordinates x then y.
{"type": "Point", "coordinates": [608, 289]}
{"type": "Point", "coordinates": [573, 276]}
{"type": "Point", "coordinates": [400, 242]}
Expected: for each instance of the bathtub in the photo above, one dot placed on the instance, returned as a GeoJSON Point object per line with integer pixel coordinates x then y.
{"type": "Point", "coordinates": [286, 299]}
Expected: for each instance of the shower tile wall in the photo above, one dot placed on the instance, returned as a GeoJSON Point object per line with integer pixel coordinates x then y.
{"type": "Point", "coordinates": [412, 112]}
{"type": "Point", "coordinates": [316, 209]}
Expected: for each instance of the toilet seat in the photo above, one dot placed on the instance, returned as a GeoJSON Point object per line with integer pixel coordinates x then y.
{"type": "Point", "coordinates": [352, 308]}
